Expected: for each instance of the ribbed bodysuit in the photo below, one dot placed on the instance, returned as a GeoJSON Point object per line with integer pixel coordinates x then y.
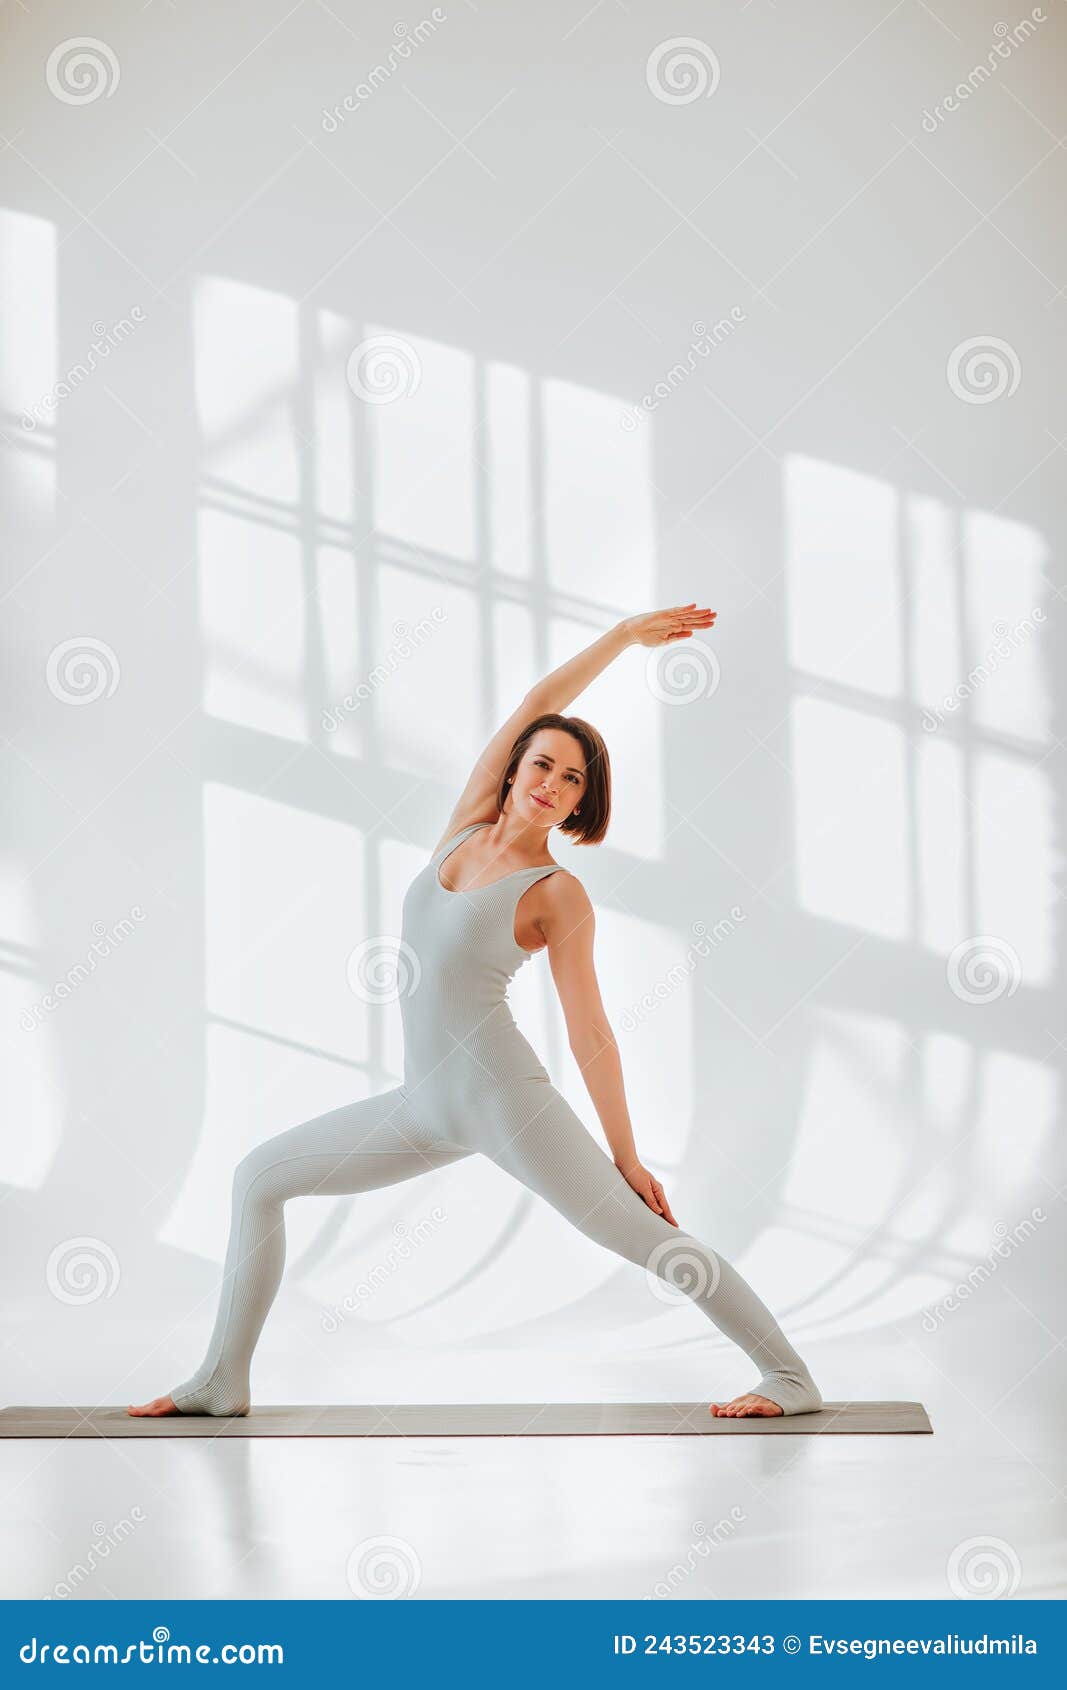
{"type": "Point", "coordinates": [472, 1083]}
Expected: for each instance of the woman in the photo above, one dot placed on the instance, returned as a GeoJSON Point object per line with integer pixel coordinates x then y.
{"type": "Point", "coordinates": [488, 899]}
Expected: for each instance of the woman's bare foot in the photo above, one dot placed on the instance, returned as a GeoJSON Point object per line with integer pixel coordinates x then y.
{"type": "Point", "coordinates": [738, 1408]}
{"type": "Point", "coordinates": [159, 1405]}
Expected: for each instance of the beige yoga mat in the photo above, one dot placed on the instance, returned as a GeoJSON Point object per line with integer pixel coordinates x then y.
{"type": "Point", "coordinates": [462, 1420]}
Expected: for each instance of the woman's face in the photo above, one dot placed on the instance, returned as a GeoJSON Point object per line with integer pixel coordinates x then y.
{"type": "Point", "coordinates": [550, 779]}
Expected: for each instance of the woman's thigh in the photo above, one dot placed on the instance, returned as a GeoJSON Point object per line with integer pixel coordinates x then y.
{"type": "Point", "coordinates": [538, 1139]}
{"type": "Point", "coordinates": [375, 1141]}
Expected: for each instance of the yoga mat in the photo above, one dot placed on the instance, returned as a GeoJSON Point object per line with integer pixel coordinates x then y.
{"type": "Point", "coordinates": [463, 1420]}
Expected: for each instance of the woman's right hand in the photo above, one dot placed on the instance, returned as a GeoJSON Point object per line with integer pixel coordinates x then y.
{"type": "Point", "coordinates": [659, 627]}
{"type": "Point", "coordinates": [647, 1186]}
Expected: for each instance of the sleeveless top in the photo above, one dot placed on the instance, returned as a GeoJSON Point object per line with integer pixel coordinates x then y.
{"type": "Point", "coordinates": [458, 956]}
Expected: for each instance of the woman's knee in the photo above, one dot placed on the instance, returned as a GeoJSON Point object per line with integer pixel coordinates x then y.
{"type": "Point", "coordinates": [248, 1175]}
{"type": "Point", "coordinates": [616, 1225]}
{"type": "Point", "coordinates": [635, 1231]}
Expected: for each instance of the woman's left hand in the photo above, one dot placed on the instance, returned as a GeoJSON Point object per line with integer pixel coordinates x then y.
{"type": "Point", "coordinates": [659, 627]}
{"type": "Point", "coordinates": [648, 1186]}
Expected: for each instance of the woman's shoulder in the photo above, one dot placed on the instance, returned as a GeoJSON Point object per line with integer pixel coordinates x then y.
{"type": "Point", "coordinates": [564, 887]}
{"type": "Point", "coordinates": [561, 906]}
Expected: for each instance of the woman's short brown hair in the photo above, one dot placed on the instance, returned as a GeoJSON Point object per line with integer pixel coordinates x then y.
{"type": "Point", "coordinates": [591, 825]}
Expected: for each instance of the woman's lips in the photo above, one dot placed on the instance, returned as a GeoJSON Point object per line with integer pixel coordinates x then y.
{"type": "Point", "coordinates": [545, 805]}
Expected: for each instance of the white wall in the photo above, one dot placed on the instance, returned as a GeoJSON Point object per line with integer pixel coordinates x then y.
{"type": "Point", "coordinates": [854, 1093]}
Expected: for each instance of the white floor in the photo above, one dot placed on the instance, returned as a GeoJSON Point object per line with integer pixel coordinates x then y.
{"type": "Point", "coordinates": [840, 1516]}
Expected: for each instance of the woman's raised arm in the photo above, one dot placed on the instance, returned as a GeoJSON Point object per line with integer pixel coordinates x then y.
{"type": "Point", "coordinates": [477, 801]}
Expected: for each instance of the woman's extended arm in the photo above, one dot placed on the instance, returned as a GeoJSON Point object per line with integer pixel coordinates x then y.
{"type": "Point", "coordinates": [569, 930]}
{"type": "Point", "coordinates": [654, 627]}
{"type": "Point", "coordinates": [477, 801]}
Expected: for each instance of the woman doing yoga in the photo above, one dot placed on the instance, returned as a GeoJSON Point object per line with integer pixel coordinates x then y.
{"type": "Point", "coordinates": [489, 898]}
